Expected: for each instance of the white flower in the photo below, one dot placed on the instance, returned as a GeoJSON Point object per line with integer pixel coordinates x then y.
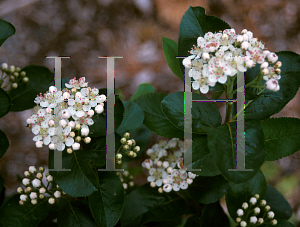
{"type": "Point", "coordinates": [26, 181]}
{"type": "Point", "coordinates": [90, 113]}
{"type": "Point", "coordinates": [51, 201]}
{"type": "Point", "coordinates": [243, 224]}
{"type": "Point", "coordinates": [76, 146]}
{"type": "Point", "coordinates": [272, 85]}
{"type": "Point", "coordinates": [49, 178]}
{"type": "Point", "coordinates": [157, 176]}
{"type": "Point", "coordinates": [245, 45]}
{"type": "Point", "coordinates": [167, 187]}
{"type": "Point", "coordinates": [187, 62]}
{"type": "Point", "coordinates": [66, 114]}
{"type": "Point", "coordinates": [52, 89]}
{"type": "Point", "coordinates": [63, 123]}
{"type": "Point", "coordinates": [253, 200]}
{"type": "Point", "coordinates": [57, 194]}
{"type": "Point", "coordinates": [148, 163]}
{"type": "Point", "coordinates": [36, 183]}
{"type": "Point", "coordinates": [33, 195]}
{"type": "Point", "coordinates": [99, 109]}
{"type": "Point", "coordinates": [240, 212]}
{"type": "Point", "coordinates": [271, 214]}
{"type": "Point", "coordinates": [39, 144]}
{"type": "Point", "coordinates": [23, 197]}
{"type": "Point", "coordinates": [178, 180]}
{"type": "Point", "coordinates": [245, 205]}
{"type": "Point", "coordinates": [125, 186]}
{"type": "Point", "coordinates": [66, 95]}
{"type": "Point", "coordinates": [253, 220]}
{"type": "Point", "coordinates": [42, 190]}
{"type": "Point", "coordinates": [165, 164]}
{"type": "Point", "coordinates": [52, 146]}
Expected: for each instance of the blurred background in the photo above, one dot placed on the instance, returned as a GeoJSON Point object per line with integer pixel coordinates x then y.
{"type": "Point", "coordinates": [85, 30]}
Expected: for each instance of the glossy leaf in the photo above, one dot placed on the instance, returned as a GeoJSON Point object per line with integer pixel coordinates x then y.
{"type": "Point", "coordinates": [143, 89]}
{"type": "Point", "coordinates": [281, 223]}
{"type": "Point", "coordinates": [222, 145]}
{"type": "Point", "coordinates": [203, 113]}
{"type": "Point", "coordinates": [208, 190]}
{"type": "Point", "coordinates": [237, 194]}
{"type": "Point", "coordinates": [214, 216]}
{"type": "Point", "coordinates": [155, 119]}
{"type": "Point", "coordinates": [170, 52]}
{"type": "Point", "coordinates": [106, 204]}
{"type": "Point", "coordinates": [28, 215]}
{"type": "Point", "coordinates": [133, 118]}
{"type": "Point", "coordinates": [202, 158]}
{"type": "Point", "coordinates": [278, 203]}
{"type": "Point", "coordinates": [269, 103]}
{"type": "Point", "coordinates": [281, 137]}
{"type": "Point", "coordinates": [76, 214]}
{"type": "Point", "coordinates": [39, 79]}
{"type": "Point", "coordinates": [146, 204]}
{"type": "Point", "coordinates": [4, 143]}
{"type": "Point", "coordinates": [5, 103]}
{"type": "Point", "coordinates": [6, 30]}
{"type": "Point", "coordinates": [195, 23]}
{"type": "Point", "coordinates": [81, 180]}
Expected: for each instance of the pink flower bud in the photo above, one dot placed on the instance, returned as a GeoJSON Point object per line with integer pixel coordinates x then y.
{"type": "Point", "coordinates": [39, 144]}
{"type": "Point", "coordinates": [85, 131]}
{"type": "Point", "coordinates": [52, 146]}
{"type": "Point", "coordinates": [91, 113]}
{"type": "Point", "coordinates": [66, 95]}
{"type": "Point", "coordinates": [187, 62]}
{"type": "Point", "coordinates": [272, 85]}
{"type": "Point", "coordinates": [205, 56]}
{"type": "Point", "coordinates": [66, 114]}
{"type": "Point", "coordinates": [99, 109]}
{"type": "Point", "coordinates": [71, 124]}
{"type": "Point", "coordinates": [272, 57]}
{"type": "Point", "coordinates": [63, 123]}
{"type": "Point", "coordinates": [32, 169]}
{"type": "Point", "coordinates": [75, 146]}
{"type": "Point", "coordinates": [245, 45]}
{"type": "Point", "coordinates": [51, 123]}
{"type": "Point", "coordinates": [48, 110]}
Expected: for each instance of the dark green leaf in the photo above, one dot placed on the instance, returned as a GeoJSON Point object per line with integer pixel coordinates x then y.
{"type": "Point", "coordinates": [237, 194]}
{"type": "Point", "coordinates": [28, 215]}
{"type": "Point", "coordinates": [203, 113]}
{"type": "Point", "coordinates": [192, 222]}
{"type": "Point", "coordinates": [278, 204]}
{"type": "Point", "coordinates": [4, 143]}
{"type": "Point", "coordinates": [269, 103]}
{"type": "Point", "coordinates": [281, 223]}
{"type": "Point", "coordinates": [202, 158]}
{"type": "Point", "coordinates": [146, 204]}
{"type": "Point", "coordinates": [39, 79]}
{"type": "Point", "coordinates": [6, 30]}
{"type": "Point", "coordinates": [214, 216]}
{"type": "Point", "coordinates": [170, 52]}
{"type": "Point", "coordinates": [222, 145]}
{"type": "Point", "coordinates": [76, 214]}
{"type": "Point", "coordinates": [133, 118]}
{"type": "Point", "coordinates": [208, 189]}
{"type": "Point", "coordinates": [81, 180]}
{"type": "Point", "coordinates": [143, 89]}
{"type": "Point", "coordinates": [5, 103]}
{"type": "Point", "coordinates": [106, 204]}
{"type": "Point", "coordinates": [195, 23]}
{"type": "Point", "coordinates": [281, 137]}
{"type": "Point", "coordinates": [155, 119]}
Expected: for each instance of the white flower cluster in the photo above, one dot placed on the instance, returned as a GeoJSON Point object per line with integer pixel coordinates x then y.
{"type": "Point", "coordinates": [76, 104]}
{"type": "Point", "coordinates": [14, 74]}
{"type": "Point", "coordinates": [255, 214]}
{"type": "Point", "coordinates": [126, 179]}
{"type": "Point", "coordinates": [129, 148]}
{"type": "Point", "coordinates": [35, 189]}
{"type": "Point", "coordinates": [164, 158]}
{"type": "Point", "coordinates": [223, 54]}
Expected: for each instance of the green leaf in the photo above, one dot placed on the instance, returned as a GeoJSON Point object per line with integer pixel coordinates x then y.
{"type": "Point", "coordinates": [76, 214]}
{"type": "Point", "coordinates": [269, 103]}
{"type": "Point", "coordinates": [202, 158]}
{"type": "Point", "coordinates": [106, 204]}
{"type": "Point", "coordinates": [208, 190]}
{"type": "Point", "coordinates": [39, 79]}
{"type": "Point", "coordinates": [28, 215]}
{"type": "Point", "coordinates": [134, 116]}
{"type": "Point", "coordinates": [281, 137]}
{"type": "Point", "coordinates": [237, 194]}
{"type": "Point", "coordinates": [278, 204]}
{"type": "Point", "coordinates": [146, 204]}
{"type": "Point", "coordinates": [203, 113]}
{"type": "Point", "coordinates": [192, 221]}
{"type": "Point", "coordinates": [214, 216]}
{"type": "Point", "coordinates": [222, 145]}
{"type": "Point", "coordinates": [81, 180]}
{"type": "Point", "coordinates": [155, 119]}
{"type": "Point", "coordinates": [99, 126]}
{"type": "Point", "coordinates": [4, 143]}
{"type": "Point", "coordinates": [281, 223]}
{"type": "Point", "coordinates": [143, 89]}
{"type": "Point", "coordinates": [6, 30]}
{"type": "Point", "coordinates": [170, 52]}
{"type": "Point", "coordinates": [195, 23]}
{"type": "Point", "coordinates": [5, 103]}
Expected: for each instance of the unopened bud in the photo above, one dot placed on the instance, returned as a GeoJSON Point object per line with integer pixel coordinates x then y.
{"type": "Point", "coordinates": [123, 140]}
{"type": "Point", "coordinates": [22, 74]}
{"type": "Point", "coordinates": [25, 79]}
{"type": "Point", "coordinates": [278, 64]}
{"type": "Point", "coordinates": [118, 156]}
{"type": "Point", "coordinates": [14, 85]}
{"type": "Point", "coordinates": [127, 135]}
{"type": "Point", "coordinates": [87, 140]}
